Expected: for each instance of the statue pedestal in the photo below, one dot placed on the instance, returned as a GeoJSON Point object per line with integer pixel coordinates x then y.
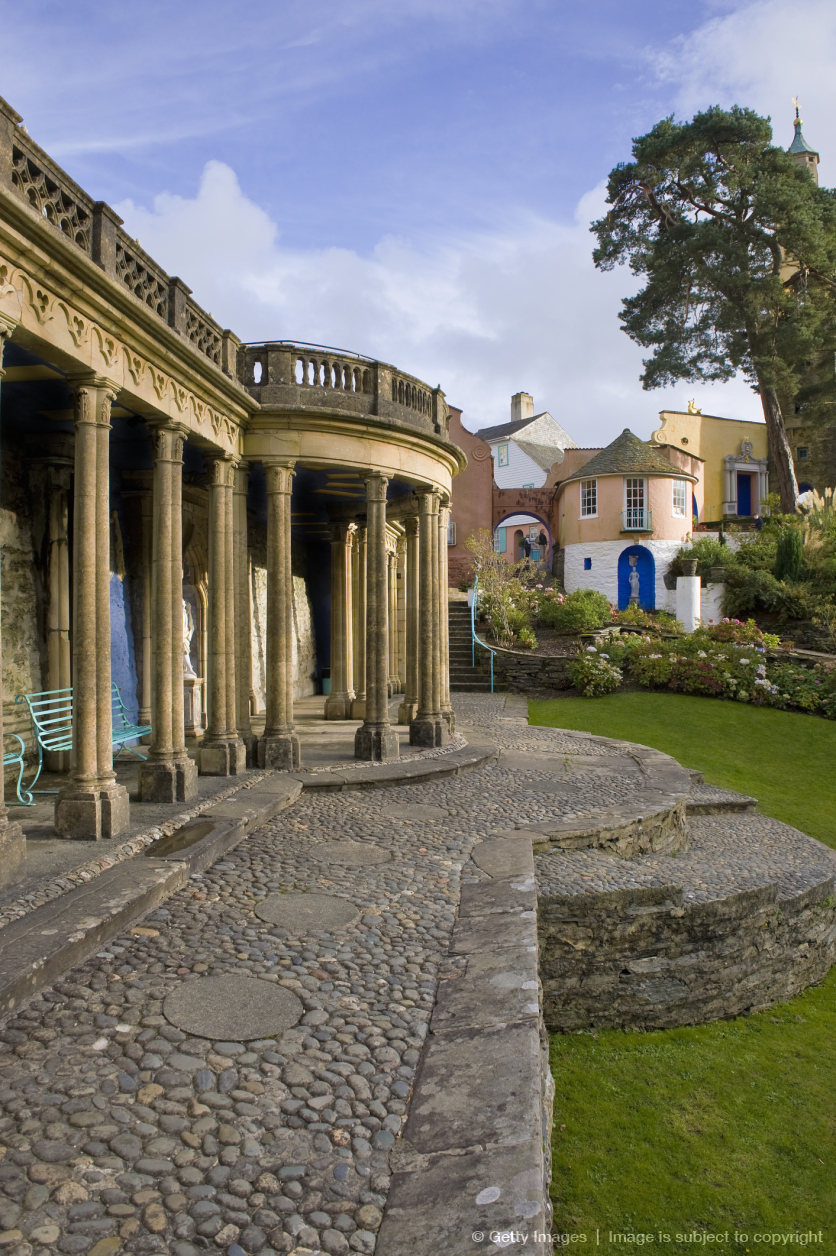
{"type": "Point", "coordinates": [194, 721]}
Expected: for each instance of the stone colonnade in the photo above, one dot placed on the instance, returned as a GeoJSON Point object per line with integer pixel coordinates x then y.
{"type": "Point", "coordinates": [389, 621]}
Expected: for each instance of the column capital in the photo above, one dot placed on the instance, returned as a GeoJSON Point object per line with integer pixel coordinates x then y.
{"type": "Point", "coordinates": [222, 469]}
{"type": "Point", "coordinates": [376, 484]}
{"type": "Point", "coordinates": [94, 395]}
{"type": "Point", "coordinates": [168, 440]}
{"type": "Point", "coordinates": [8, 327]}
{"type": "Point", "coordinates": [410, 524]}
{"type": "Point", "coordinates": [280, 472]}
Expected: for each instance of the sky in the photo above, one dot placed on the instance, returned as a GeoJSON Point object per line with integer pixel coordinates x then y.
{"type": "Point", "coordinates": [410, 179]}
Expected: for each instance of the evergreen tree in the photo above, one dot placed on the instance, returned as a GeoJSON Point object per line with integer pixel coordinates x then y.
{"type": "Point", "coordinates": [737, 245]}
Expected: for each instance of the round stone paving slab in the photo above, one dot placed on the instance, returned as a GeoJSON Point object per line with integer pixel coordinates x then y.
{"type": "Point", "coordinates": [352, 854]}
{"type": "Point", "coordinates": [232, 1008]}
{"type": "Point", "coordinates": [307, 913]}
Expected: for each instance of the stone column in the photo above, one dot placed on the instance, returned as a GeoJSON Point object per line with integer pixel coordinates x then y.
{"type": "Point", "coordinates": [12, 841]}
{"type": "Point", "coordinates": [279, 747]}
{"type": "Point", "coordinates": [400, 575]}
{"type": "Point", "coordinates": [376, 739]}
{"type": "Point", "coordinates": [222, 752]}
{"type": "Point", "coordinates": [392, 576]}
{"type": "Point", "coordinates": [58, 611]}
{"type": "Point", "coordinates": [428, 728]}
{"type": "Point", "coordinates": [168, 774]}
{"type": "Point", "coordinates": [409, 706]}
{"type": "Point", "coordinates": [92, 804]}
{"type": "Point", "coordinates": [444, 614]}
{"type": "Point", "coordinates": [243, 625]}
{"type": "Point", "coordinates": [339, 702]}
{"type": "Point", "coordinates": [358, 706]}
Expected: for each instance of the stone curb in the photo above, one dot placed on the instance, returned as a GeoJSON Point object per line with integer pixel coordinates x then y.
{"type": "Point", "coordinates": [477, 1159]}
{"type": "Point", "coordinates": [402, 772]}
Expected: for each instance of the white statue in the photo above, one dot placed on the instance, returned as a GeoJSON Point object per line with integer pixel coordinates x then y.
{"type": "Point", "coordinates": [188, 633]}
{"type": "Point", "coordinates": [634, 584]}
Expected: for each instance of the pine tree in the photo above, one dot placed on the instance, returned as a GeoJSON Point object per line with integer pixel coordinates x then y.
{"type": "Point", "coordinates": [737, 245]}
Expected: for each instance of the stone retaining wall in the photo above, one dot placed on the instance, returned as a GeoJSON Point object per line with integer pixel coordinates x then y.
{"type": "Point", "coordinates": [525, 672]}
{"type": "Point", "coordinates": [646, 959]}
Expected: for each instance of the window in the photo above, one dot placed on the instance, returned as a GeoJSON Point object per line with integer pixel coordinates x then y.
{"type": "Point", "coordinates": [634, 502]}
{"type": "Point", "coordinates": [451, 533]}
{"type": "Point", "coordinates": [528, 486]}
{"type": "Point", "coordinates": [502, 455]}
{"type": "Point", "coordinates": [587, 564]}
{"type": "Point", "coordinates": [802, 453]}
{"type": "Point", "coordinates": [589, 498]}
{"type": "Point", "coordinates": [680, 497]}
{"type": "Point", "coordinates": [499, 541]}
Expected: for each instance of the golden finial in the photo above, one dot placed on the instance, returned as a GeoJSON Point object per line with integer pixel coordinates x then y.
{"type": "Point", "coordinates": [795, 102]}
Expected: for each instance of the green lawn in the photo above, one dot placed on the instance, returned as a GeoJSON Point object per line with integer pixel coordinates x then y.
{"type": "Point", "coordinates": [712, 1133]}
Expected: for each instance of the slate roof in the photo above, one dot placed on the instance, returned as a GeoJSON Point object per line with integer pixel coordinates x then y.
{"type": "Point", "coordinates": [627, 455]}
{"type": "Point", "coordinates": [506, 429]}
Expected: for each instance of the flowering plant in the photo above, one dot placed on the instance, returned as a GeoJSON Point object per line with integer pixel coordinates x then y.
{"type": "Point", "coordinates": [592, 673]}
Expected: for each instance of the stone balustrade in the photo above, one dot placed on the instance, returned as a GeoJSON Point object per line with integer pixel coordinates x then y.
{"type": "Point", "coordinates": [96, 229]}
{"type": "Point", "coordinates": [286, 375]}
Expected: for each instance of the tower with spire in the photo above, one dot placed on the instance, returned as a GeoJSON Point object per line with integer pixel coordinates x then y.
{"type": "Point", "coordinates": [800, 149]}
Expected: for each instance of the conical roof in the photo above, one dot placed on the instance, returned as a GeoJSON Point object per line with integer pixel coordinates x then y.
{"type": "Point", "coordinates": [799, 144]}
{"type": "Point", "coordinates": [627, 455]}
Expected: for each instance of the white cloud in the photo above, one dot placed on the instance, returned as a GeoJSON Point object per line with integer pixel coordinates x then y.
{"type": "Point", "coordinates": [483, 315]}
{"type": "Point", "coordinates": [760, 55]}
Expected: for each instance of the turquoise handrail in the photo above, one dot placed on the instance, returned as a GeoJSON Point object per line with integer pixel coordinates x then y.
{"type": "Point", "coordinates": [474, 639]}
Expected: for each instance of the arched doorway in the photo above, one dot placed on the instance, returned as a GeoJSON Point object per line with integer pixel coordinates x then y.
{"type": "Point", "coordinates": [635, 558]}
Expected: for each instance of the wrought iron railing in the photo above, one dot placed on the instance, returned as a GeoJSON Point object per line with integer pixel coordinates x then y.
{"type": "Point", "coordinates": [474, 638]}
{"type": "Point", "coordinates": [635, 520]}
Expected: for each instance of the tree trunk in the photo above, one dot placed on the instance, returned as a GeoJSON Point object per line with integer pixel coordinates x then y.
{"type": "Point", "coordinates": [779, 450]}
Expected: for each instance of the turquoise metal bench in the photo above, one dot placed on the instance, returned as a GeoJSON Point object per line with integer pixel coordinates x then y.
{"type": "Point", "coordinates": [13, 752]}
{"type": "Point", "coordinates": [52, 722]}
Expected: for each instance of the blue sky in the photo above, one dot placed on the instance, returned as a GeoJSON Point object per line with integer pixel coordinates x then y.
{"type": "Point", "coordinates": [413, 179]}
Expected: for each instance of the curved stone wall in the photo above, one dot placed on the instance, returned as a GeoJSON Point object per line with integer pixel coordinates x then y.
{"type": "Point", "coordinates": [646, 958]}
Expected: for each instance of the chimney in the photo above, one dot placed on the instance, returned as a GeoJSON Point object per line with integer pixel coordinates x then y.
{"type": "Point", "coordinates": [522, 406]}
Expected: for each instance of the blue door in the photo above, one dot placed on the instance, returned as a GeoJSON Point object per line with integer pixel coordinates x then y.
{"type": "Point", "coordinates": [744, 493]}
{"type": "Point", "coordinates": [643, 570]}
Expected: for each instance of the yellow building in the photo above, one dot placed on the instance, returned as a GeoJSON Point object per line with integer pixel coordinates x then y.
{"type": "Point", "coordinates": [734, 451]}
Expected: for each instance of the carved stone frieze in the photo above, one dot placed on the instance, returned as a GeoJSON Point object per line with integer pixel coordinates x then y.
{"type": "Point", "coordinates": [55, 320]}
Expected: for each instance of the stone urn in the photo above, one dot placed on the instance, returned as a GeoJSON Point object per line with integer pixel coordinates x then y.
{"type": "Point", "coordinates": [689, 566]}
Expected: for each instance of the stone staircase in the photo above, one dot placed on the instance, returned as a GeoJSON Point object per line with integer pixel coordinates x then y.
{"type": "Point", "coordinates": [463, 675]}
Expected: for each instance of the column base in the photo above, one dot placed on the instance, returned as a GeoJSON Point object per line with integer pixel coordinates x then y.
{"type": "Point", "coordinates": [358, 709]}
{"type": "Point", "coordinates": [407, 712]}
{"type": "Point", "coordinates": [92, 812]}
{"type": "Point", "coordinates": [379, 743]}
{"type": "Point", "coordinates": [224, 757]}
{"type": "Point", "coordinates": [338, 706]}
{"type": "Point", "coordinates": [279, 751]}
{"type": "Point", "coordinates": [449, 718]}
{"type": "Point", "coordinates": [12, 851]}
{"type": "Point", "coordinates": [168, 780]}
{"type": "Point", "coordinates": [429, 731]}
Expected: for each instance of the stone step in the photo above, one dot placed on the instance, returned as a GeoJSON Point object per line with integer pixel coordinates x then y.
{"type": "Point", "coordinates": [707, 800]}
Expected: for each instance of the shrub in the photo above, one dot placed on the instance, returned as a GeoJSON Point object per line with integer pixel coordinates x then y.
{"type": "Point", "coordinates": [751, 592]}
{"type": "Point", "coordinates": [593, 673]}
{"type": "Point", "coordinates": [757, 552]}
{"type": "Point", "coordinates": [585, 610]}
{"type": "Point", "coordinates": [789, 554]}
{"type": "Point", "coordinates": [708, 553]}
{"type": "Point", "coordinates": [734, 630]}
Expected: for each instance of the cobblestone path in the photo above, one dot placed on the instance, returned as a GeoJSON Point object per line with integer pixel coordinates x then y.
{"type": "Point", "coordinates": [123, 1133]}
